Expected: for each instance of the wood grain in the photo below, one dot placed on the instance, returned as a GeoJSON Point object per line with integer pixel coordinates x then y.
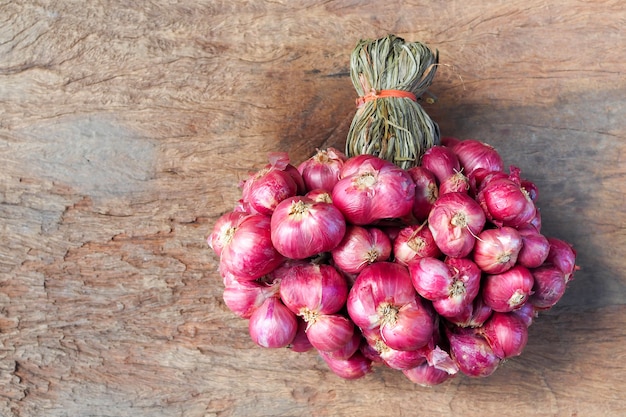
{"type": "Point", "coordinates": [125, 128]}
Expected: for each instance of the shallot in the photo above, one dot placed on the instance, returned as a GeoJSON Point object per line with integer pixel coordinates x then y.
{"type": "Point", "coordinates": [414, 242]}
{"type": "Point", "coordinates": [433, 270]}
{"type": "Point", "coordinates": [472, 353]}
{"type": "Point", "coordinates": [273, 325]}
{"type": "Point", "coordinates": [455, 221]}
{"type": "Point", "coordinates": [321, 171]}
{"type": "Point", "coordinates": [247, 251]}
{"type": "Point", "coordinates": [360, 247]}
{"type": "Point", "coordinates": [372, 189]}
{"type": "Point", "coordinates": [301, 227]}
{"type": "Point", "coordinates": [508, 290]}
{"type": "Point", "coordinates": [496, 250]}
{"type": "Point", "coordinates": [506, 333]}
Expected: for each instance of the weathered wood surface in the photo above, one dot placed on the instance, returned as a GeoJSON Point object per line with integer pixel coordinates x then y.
{"type": "Point", "coordinates": [126, 126]}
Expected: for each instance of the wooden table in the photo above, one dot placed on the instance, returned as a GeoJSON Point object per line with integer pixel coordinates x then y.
{"type": "Point", "coordinates": [124, 131]}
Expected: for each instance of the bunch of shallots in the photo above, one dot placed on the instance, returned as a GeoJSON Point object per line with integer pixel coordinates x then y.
{"type": "Point", "coordinates": [433, 270]}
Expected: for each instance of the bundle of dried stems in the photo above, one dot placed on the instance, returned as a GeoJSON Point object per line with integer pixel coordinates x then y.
{"type": "Point", "coordinates": [390, 75]}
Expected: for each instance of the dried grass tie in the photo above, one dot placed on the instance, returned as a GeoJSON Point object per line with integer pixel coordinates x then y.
{"type": "Point", "coordinates": [389, 76]}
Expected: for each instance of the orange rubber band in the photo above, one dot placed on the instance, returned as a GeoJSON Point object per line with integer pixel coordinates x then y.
{"type": "Point", "coordinates": [373, 95]}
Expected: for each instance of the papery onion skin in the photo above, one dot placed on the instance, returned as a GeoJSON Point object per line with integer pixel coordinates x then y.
{"type": "Point", "coordinates": [441, 359]}
{"type": "Point", "coordinates": [329, 332]}
{"type": "Point", "coordinates": [318, 288]}
{"type": "Point", "coordinates": [506, 333]}
{"type": "Point", "coordinates": [454, 221]}
{"type": "Point", "coordinates": [426, 375]}
{"type": "Point", "coordinates": [472, 353]}
{"type": "Point", "coordinates": [360, 247]}
{"type": "Point", "coordinates": [473, 154]}
{"type": "Point", "coordinates": [249, 254]}
{"type": "Point", "coordinates": [549, 287]}
{"type": "Point", "coordinates": [441, 161]}
{"type": "Point", "coordinates": [301, 228]}
{"type": "Point", "coordinates": [272, 325]}
{"type": "Point", "coordinates": [223, 229]}
{"type": "Point", "coordinates": [496, 250]}
{"type": "Point", "coordinates": [372, 191]}
{"type": "Point", "coordinates": [378, 283]}
{"type": "Point", "coordinates": [415, 242]}
{"type": "Point", "coordinates": [426, 192]}
{"type": "Point", "coordinates": [322, 170]}
{"type": "Point", "coordinates": [509, 290]}
{"type": "Point", "coordinates": [357, 366]}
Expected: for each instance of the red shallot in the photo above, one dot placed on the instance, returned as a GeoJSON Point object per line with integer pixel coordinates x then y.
{"type": "Point", "coordinates": [472, 353]}
{"type": "Point", "coordinates": [300, 342]}
{"type": "Point", "coordinates": [272, 325]}
{"type": "Point", "coordinates": [378, 286]}
{"type": "Point", "coordinates": [349, 348]}
{"type": "Point", "coordinates": [496, 250]}
{"type": "Point", "coordinates": [302, 228]}
{"type": "Point", "coordinates": [356, 366]}
{"type": "Point", "coordinates": [549, 287]}
{"type": "Point", "coordinates": [328, 332]}
{"type": "Point", "coordinates": [456, 183]}
{"type": "Point", "coordinates": [309, 288]}
{"type": "Point", "coordinates": [441, 161]}
{"type": "Point", "coordinates": [455, 221]}
{"type": "Point", "coordinates": [506, 333]}
{"type": "Point", "coordinates": [372, 189]}
{"type": "Point", "coordinates": [244, 297]}
{"type": "Point", "coordinates": [360, 247]}
{"type": "Point", "coordinates": [224, 229]}
{"type": "Point", "coordinates": [508, 290]}
{"type": "Point", "coordinates": [563, 256]}
{"type": "Point", "coordinates": [414, 242]}
{"type": "Point", "coordinates": [247, 252]}
{"type": "Point", "coordinates": [322, 169]}
{"type": "Point", "coordinates": [474, 154]}
{"type": "Point", "coordinates": [426, 192]}
{"type": "Point", "coordinates": [505, 202]}
{"type": "Point", "coordinates": [450, 285]}
{"type": "Point", "coordinates": [473, 315]}
{"type": "Point", "coordinates": [271, 185]}
{"type": "Point", "coordinates": [535, 247]}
